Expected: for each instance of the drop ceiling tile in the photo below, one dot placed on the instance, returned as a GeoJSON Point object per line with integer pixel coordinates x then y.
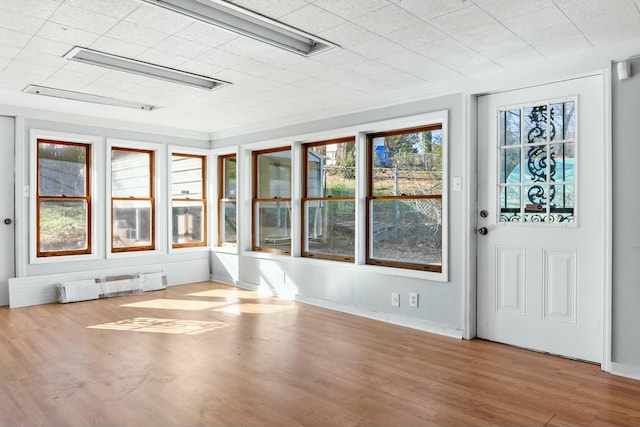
{"type": "Point", "coordinates": [60, 33]}
{"type": "Point", "coordinates": [133, 33]}
{"type": "Point", "coordinates": [415, 35]}
{"type": "Point", "coordinates": [421, 67]}
{"type": "Point", "coordinates": [109, 86]}
{"type": "Point", "coordinates": [25, 71]}
{"type": "Point", "coordinates": [339, 58]}
{"type": "Point", "coordinates": [38, 44]}
{"type": "Point", "coordinates": [378, 48]}
{"type": "Point", "coordinates": [164, 59]}
{"type": "Point", "coordinates": [312, 19]}
{"type": "Point", "coordinates": [347, 34]}
{"type": "Point", "coordinates": [83, 19]}
{"type": "Point", "coordinates": [117, 47]}
{"type": "Point", "coordinates": [398, 78]}
{"type": "Point", "coordinates": [312, 83]}
{"type": "Point", "coordinates": [271, 8]}
{"type": "Point", "coordinates": [9, 52]}
{"type": "Point", "coordinates": [20, 22]}
{"type": "Point", "coordinates": [388, 19]}
{"type": "Point", "coordinates": [248, 47]}
{"type": "Point", "coordinates": [201, 68]}
{"type": "Point", "coordinates": [41, 60]}
{"type": "Point", "coordinates": [182, 47]}
{"type": "Point", "coordinates": [34, 8]}
{"type": "Point", "coordinates": [351, 9]}
{"type": "Point", "coordinates": [506, 9]}
{"type": "Point", "coordinates": [285, 76]}
{"type": "Point", "coordinates": [463, 21]}
{"type": "Point", "coordinates": [114, 8]}
{"type": "Point", "coordinates": [158, 19]}
{"type": "Point", "coordinates": [205, 34]}
{"type": "Point", "coordinates": [370, 68]}
{"type": "Point", "coordinates": [457, 56]}
{"type": "Point", "coordinates": [72, 76]}
{"type": "Point", "coordinates": [88, 69]}
{"type": "Point", "coordinates": [432, 8]}
{"type": "Point", "coordinates": [13, 38]}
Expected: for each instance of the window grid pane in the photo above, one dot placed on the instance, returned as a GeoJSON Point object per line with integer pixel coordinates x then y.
{"type": "Point", "coordinates": [189, 207]}
{"type": "Point", "coordinates": [63, 206]}
{"type": "Point", "coordinates": [132, 200]}
{"type": "Point", "coordinates": [227, 173]}
{"type": "Point", "coordinates": [537, 173]}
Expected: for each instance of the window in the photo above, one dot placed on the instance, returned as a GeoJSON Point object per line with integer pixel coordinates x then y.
{"type": "Point", "coordinates": [227, 200]}
{"type": "Point", "coordinates": [328, 201]}
{"type": "Point", "coordinates": [132, 200]}
{"type": "Point", "coordinates": [188, 200]}
{"type": "Point", "coordinates": [63, 205]}
{"type": "Point", "coordinates": [272, 200]}
{"type": "Point", "coordinates": [537, 158]}
{"type": "Point", "coordinates": [404, 198]}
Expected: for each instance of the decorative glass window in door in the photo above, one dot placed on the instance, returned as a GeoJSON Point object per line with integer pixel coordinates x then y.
{"type": "Point", "coordinates": [537, 163]}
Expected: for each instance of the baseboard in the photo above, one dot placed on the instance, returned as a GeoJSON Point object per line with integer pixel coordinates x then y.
{"type": "Point", "coordinates": [383, 317]}
{"type": "Point", "coordinates": [34, 290]}
{"type": "Point", "coordinates": [624, 370]}
{"type": "Point", "coordinates": [226, 280]}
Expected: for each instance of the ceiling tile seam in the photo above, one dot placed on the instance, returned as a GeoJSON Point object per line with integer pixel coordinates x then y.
{"type": "Point", "coordinates": [510, 30]}
{"type": "Point", "coordinates": [33, 35]}
{"type": "Point", "coordinates": [573, 23]}
{"type": "Point", "coordinates": [491, 60]}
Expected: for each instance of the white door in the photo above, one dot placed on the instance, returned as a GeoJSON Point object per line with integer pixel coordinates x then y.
{"type": "Point", "coordinates": [540, 218]}
{"type": "Point", "coordinates": [6, 207]}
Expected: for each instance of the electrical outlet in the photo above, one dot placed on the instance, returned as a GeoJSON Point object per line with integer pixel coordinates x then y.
{"type": "Point", "coordinates": [395, 299]}
{"type": "Point", "coordinates": [413, 299]}
{"type": "Point", "coordinates": [283, 277]}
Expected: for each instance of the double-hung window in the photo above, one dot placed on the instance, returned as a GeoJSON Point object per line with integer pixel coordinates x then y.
{"type": "Point", "coordinates": [132, 200]}
{"type": "Point", "coordinates": [63, 205]}
{"type": "Point", "coordinates": [272, 200]}
{"type": "Point", "coordinates": [404, 198]}
{"type": "Point", "coordinates": [227, 173]}
{"type": "Point", "coordinates": [328, 202]}
{"type": "Point", "coordinates": [188, 200]}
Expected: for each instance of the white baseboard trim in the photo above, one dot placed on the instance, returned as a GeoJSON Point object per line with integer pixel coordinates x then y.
{"type": "Point", "coordinates": [34, 290]}
{"type": "Point", "coordinates": [624, 370]}
{"type": "Point", "coordinates": [407, 322]}
{"type": "Point", "coordinates": [222, 279]}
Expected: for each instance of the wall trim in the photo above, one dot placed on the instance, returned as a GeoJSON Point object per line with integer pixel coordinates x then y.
{"type": "Point", "coordinates": [407, 322]}
{"type": "Point", "coordinates": [625, 370]}
{"type": "Point", "coordinates": [34, 290]}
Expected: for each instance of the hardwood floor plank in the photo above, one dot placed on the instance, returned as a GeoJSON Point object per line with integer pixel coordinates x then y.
{"type": "Point", "coordinates": [210, 354]}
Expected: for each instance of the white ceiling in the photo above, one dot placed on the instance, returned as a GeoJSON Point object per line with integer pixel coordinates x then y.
{"type": "Point", "coordinates": [390, 51]}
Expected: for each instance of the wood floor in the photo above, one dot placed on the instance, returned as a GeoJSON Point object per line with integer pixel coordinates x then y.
{"type": "Point", "coordinates": [211, 355]}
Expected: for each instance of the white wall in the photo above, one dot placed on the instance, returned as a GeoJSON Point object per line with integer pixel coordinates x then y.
{"type": "Point", "coordinates": [35, 280]}
{"type": "Point", "coordinates": [361, 289]}
{"type": "Point", "coordinates": [625, 351]}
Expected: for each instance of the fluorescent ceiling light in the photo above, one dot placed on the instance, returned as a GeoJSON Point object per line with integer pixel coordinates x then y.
{"type": "Point", "coordinates": [85, 97]}
{"type": "Point", "coordinates": [245, 22]}
{"type": "Point", "coordinates": [128, 65]}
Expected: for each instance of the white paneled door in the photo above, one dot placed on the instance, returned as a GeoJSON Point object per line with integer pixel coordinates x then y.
{"type": "Point", "coordinates": [541, 171]}
{"type": "Point", "coordinates": [6, 207]}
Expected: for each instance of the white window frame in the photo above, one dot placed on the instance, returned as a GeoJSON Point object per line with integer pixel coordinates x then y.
{"type": "Point", "coordinates": [160, 197]}
{"type": "Point", "coordinates": [178, 149]}
{"type": "Point", "coordinates": [95, 175]}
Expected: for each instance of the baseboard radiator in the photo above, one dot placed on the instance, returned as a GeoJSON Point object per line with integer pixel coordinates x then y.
{"type": "Point", "coordinates": [105, 287]}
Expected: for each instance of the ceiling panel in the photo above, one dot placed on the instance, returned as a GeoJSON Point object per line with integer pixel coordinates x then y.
{"type": "Point", "coordinates": [389, 50]}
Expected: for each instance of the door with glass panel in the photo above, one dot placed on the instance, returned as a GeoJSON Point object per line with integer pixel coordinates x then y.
{"type": "Point", "coordinates": [7, 240]}
{"type": "Point", "coordinates": [540, 218]}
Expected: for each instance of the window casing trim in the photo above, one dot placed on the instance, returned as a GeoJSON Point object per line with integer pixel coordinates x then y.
{"type": "Point", "coordinates": [222, 199]}
{"type": "Point", "coordinates": [160, 197]}
{"type": "Point", "coordinates": [203, 200]}
{"type": "Point", "coordinates": [305, 198]}
{"type": "Point", "coordinates": [96, 219]}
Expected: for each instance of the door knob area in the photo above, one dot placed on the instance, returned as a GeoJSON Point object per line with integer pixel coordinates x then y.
{"type": "Point", "coordinates": [484, 213]}
{"type": "Point", "coordinates": [483, 230]}
{"type": "Point", "coordinates": [7, 221]}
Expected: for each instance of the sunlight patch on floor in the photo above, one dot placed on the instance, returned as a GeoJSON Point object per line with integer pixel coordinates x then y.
{"type": "Point", "coordinates": [162, 326]}
{"type": "Point", "coordinates": [231, 293]}
{"type": "Point", "coordinates": [176, 304]}
{"type": "Point", "coordinates": [248, 308]}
